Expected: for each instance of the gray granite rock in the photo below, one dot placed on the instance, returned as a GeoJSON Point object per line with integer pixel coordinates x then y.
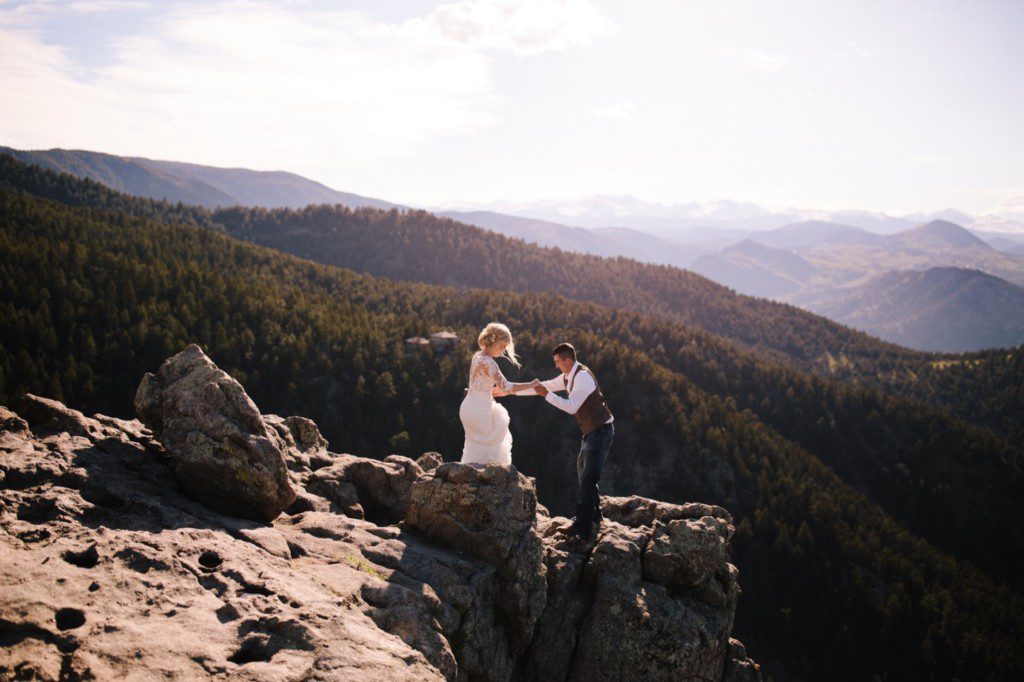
{"type": "Point", "coordinates": [491, 514]}
{"type": "Point", "coordinates": [739, 667]}
{"type": "Point", "coordinates": [304, 446]}
{"type": "Point", "coordinates": [10, 422]}
{"type": "Point", "coordinates": [684, 552]}
{"type": "Point", "coordinates": [609, 618]}
{"type": "Point", "coordinates": [109, 572]}
{"type": "Point", "coordinates": [222, 451]}
{"type": "Point", "coordinates": [362, 487]}
{"type": "Point", "coordinates": [429, 461]}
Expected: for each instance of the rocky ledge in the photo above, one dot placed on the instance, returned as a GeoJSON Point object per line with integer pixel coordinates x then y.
{"type": "Point", "coordinates": [208, 540]}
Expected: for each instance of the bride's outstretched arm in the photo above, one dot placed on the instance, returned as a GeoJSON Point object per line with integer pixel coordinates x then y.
{"type": "Point", "coordinates": [522, 388]}
{"type": "Point", "coordinates": [513, 389]}
{"type": "Point", "coordinates": [542, 388]}
{"type": "Point", "coordinates": [503, 386]}
{"type": "Point", "coordinates": [530, 388]}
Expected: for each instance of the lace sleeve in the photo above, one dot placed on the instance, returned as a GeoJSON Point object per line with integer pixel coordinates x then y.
{"type": "Point", "coordinates": [485, 374]}
{"type": "Point", "coordinates": [495, 373]}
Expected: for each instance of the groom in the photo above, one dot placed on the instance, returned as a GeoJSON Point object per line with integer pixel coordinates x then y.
{"type": "Point", "coordinates": [585, 402]}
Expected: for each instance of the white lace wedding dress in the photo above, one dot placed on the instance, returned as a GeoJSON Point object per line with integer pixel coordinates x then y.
{"type": "Point", "coordinates": [488, 440]}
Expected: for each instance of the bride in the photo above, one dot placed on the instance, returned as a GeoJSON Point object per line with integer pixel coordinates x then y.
{"type": "Point", "coordinates": [488, 440]}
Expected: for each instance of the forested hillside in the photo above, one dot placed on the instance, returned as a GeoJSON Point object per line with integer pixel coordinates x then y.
{"type": "Point", "coordinates": [986, 387]}
{"type": "Point", "coordinates": [418, 246]}
{"type": "Point", "coordinates": [421, 247]}
{"type": "Point", "coordinates": [833, 585]}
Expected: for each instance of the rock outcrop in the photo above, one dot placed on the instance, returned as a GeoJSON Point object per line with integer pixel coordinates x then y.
{"type": "Point", "coordinates": [621, 610]}
{"type": "Point", "coordinates": [222, 451]}
{"type": "Point", "coordinates": [492, 514]}
{"type": "Point", "coordinates": [377, 570]}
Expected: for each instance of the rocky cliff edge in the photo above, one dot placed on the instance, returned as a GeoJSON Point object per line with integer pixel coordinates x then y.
{"type": "Point", "coordinates": [208, 540]}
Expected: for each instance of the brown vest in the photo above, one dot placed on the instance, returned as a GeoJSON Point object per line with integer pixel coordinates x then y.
{"type": "Point", "coordinates": [594, 412]}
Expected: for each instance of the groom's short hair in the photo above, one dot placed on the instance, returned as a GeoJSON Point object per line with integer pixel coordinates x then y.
{"type": "Point", "coordinates": [564, 350]}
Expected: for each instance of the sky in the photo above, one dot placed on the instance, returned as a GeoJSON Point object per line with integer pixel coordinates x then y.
{"type": "Point", "coordinates": [882, 106]}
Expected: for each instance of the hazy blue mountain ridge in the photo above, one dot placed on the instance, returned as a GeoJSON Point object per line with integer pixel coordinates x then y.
{"type": "Point", "coordinates": [939, 234]}
{"type": "Point", "coordinates": [936, 286]}
{"type": "Point", "coordinates": [755, 269]}
{"type": "Point", "coordinates": [610, 242]}
{"type": "Point", "coordinates": [811, 233]}
{"type": "Point", "coordinates": [939, 309]}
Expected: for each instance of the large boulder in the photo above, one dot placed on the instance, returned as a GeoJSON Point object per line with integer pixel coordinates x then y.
{"type": "Point", "coordinates": [687, 546]}
{"type": "Point", "coordinates": [490, 514]}
{"type": "Point", "coordinates": [223, 453]}
{"type": "Point", "coordinates": [636, 511]}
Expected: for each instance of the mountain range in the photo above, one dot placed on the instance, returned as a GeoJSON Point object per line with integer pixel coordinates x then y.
{"type": "Point", "coordinates": [753, 268]}
{"type": "Point", "coordinates": [684, 221]}
{"type": "Point", "coordinates": [1008, 242]}
{"type": "Point", "coordinates": [819, 264]}
{"type": "Point", "coordinates": [824, 266]}
{"type": "Point", "coordinates": [940, 309]}
{"type": "Point", "coordinates": [936, 286]}
{"type": "Point", "coordinates": [607, 241]}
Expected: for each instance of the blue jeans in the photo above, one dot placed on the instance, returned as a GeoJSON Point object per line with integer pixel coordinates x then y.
{"type": "Point", "coordinates": [589, 465]}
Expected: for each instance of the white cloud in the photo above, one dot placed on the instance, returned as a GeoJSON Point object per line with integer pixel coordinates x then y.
{"type": "Point", "coordinates": [99, 6]}
{"type": "Point", "coordinates": [521, 26]}
{"type": "Point", "coordinates": [855, 50]}
{"type": "Point", "coordinates": [995, 203]}
{"type": "Point", "coordinates": [751, 57]}
{"type": "Point", "coordinates": [237, 81]}
{"type": "Point", "coordinates": [617, 109]}
{"type": "Point", "coordinates": [766, 61]}
{"type": "Point", "coordinates": [27, 13]}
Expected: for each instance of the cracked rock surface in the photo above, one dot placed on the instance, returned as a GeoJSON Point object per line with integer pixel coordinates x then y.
{"type": "Point", "coordinates": [376, 571]}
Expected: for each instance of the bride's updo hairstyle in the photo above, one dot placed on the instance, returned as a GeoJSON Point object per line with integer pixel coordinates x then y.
{"type": "Point", "coordinates": [494, 333]}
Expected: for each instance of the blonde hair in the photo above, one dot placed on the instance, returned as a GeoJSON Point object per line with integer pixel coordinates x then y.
{"type": "Point", "coordinates": [494, 333]}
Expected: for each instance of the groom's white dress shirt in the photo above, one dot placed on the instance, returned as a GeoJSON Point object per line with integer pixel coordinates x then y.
{"type": "Point", "coordinates": [583, 386]}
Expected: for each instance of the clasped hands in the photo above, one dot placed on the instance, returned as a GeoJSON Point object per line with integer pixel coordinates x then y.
{"type": "Point", "coordinates": [536, 385]}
